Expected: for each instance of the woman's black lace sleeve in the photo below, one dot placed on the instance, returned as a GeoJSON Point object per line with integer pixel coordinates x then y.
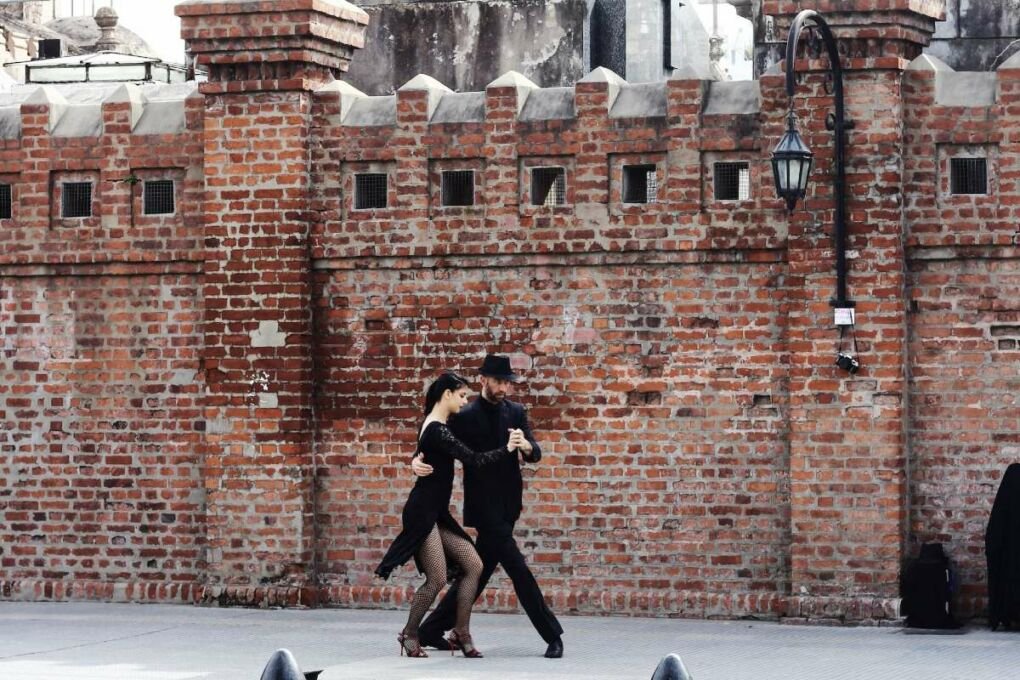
{"type": "Point", "coordinates": [446, 442]}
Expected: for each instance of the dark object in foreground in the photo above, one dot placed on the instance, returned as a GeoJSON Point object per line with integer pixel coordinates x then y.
{"type": "Point", "coordinates": [555, 649]}
{"type": "Point", "coordinates": [282, 666]}
{"type": "Point", "coordinates": [928, 589]}
{"type": "Point", "coordinates": [671, 668]}
{"type": "Point", "coordinates": [1002, 550]}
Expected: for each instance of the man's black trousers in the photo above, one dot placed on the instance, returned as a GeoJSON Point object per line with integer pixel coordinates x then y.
{"type": "Point", "coordinates": [496, 546]}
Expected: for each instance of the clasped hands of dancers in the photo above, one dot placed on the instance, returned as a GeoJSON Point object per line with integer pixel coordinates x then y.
{"type": "Point", "coordinates": [491, 438]}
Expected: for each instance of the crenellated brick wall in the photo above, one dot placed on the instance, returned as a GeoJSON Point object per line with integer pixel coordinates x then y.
{"type": "Point", "coordinates": [218, 405]}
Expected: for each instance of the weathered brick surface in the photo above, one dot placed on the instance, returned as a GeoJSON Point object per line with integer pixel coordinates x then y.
{"type": "Point", "coordinates": [101, 422]}
{"type": "Point", "coordinates": [653, 390]}
{"type": "Point", "coordinates": [219, 405]}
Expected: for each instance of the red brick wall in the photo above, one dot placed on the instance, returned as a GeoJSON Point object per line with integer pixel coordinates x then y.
{"type": "Point", "coordinates": [100, 374]}
{"type": "Point", "coordinates": [220, 405]}
{"type": "Point", "coordinates": [656, 401]}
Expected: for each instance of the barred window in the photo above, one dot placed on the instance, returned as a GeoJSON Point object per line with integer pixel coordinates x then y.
{"type": "Point", "coordinates": [458, 187]}
{"type": "Point", "coordinates": [76, 199]}
{"type": "Point", "coordinates": [6, 203]}
{"type": "Point", "coordinates": [639, 184]}
{"type": "Point", "coordinates": [548, 186]}
{"type": "Point", "coordinates": [968, 175]}
{"type": "Point", "coordinates": [159, 197]}
{"type": "Point", "coordinates": [732, 181]}
{"type": "Point", "coordinates": [370, 190]}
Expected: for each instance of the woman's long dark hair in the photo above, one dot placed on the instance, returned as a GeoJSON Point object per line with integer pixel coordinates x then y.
{"type": "Point", "coordinates": [447, 381]}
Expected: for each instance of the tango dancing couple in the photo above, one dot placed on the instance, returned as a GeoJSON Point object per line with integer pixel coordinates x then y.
{"type": "Point", "coordinates": [491, 438]}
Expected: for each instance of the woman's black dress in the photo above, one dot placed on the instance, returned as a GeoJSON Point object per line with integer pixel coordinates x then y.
{"type": "Point", "coordinates": [1002, 550]}
{"type": "Point", "coordinates": [429, 501]}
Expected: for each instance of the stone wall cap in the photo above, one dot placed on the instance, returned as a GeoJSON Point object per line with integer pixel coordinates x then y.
{"type": "Point", "coordinates": [423, 82]}
{"type": "Point", "coordinates": [460, 107]}
{"type": "Point", "coordinates": [44, 94]}
{"type": "Point", "coordinates": [733, 97]}
{"type": "Point", "coordinates": [512, 79]}
{"type": "Point", "coordinates": [965, 88]}
{"type": "Point", "coordinates": [641, 100]}
{"type": "Point", "coordinates": [603, 75]}
{"type": "Point", "coordinates": [1011, 63]}
{"type": "Point", "coordinates": [372, 111]}
{"type": "Point", "coordinates": [552, 103]}
{"type": "Point", "coordinates": [927, 62]}
{"type": "Point", "coordinates": [344, 88]}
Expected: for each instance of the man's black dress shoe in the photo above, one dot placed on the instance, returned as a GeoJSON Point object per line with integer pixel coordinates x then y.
{"type": "Point", "coordinates": [555, 649]}
{"type": "Point", "coordinates": [435, 641]}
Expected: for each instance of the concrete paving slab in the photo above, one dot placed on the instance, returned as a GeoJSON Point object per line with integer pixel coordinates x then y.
{"type": "Point", "coordinates": [90, 641]}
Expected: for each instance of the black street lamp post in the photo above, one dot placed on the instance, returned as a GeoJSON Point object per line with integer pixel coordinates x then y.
{"type": "Point", "coordinates": [791, 159]}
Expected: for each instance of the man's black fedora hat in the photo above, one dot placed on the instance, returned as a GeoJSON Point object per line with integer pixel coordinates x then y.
{"type": "Point", "coordinates": [498, 366]}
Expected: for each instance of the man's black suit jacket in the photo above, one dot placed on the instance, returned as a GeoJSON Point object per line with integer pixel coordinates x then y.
{"type": "Point", "coordinates": [492, 493]}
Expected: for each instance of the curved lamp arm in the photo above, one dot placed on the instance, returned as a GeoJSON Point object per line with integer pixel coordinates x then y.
{"type": "Point", "coordinates": [837, 123]}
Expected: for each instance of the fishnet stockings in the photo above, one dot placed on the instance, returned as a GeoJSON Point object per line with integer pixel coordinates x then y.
{"type": "Point", "coordinates": [433, 553]}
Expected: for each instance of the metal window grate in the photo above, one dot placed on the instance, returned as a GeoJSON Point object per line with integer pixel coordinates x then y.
{"type": "Point", "coordinates": [732, 181]}
{"type": "Point", "coordinates": [968, 175]}
{"type": "Point", "coordinates": [458, 187]}
{"type": "Point", "coordinates": [159, 197]}
{"type": "Point", "coordinates": [76, 199]}
{"type": "Point", "coordinates": [548, 186]}
{"type": "Point", "coordinates": [370, 190]}
{"type": "Point", "coordinates": [639, 184]}
{"type": "Point", "coordinates": [6, 202]}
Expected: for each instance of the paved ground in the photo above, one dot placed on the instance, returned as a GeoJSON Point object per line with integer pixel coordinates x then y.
{"type": "Point", "coordinates": [48, 641]}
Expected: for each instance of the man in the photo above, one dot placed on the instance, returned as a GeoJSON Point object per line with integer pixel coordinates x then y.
{"type": "Point", "coordinates": [492, 502]}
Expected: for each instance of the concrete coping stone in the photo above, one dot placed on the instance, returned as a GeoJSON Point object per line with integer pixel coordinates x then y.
{"type": "Point", "coordinates": [551, 103]}
{"type": "Point", "coordinates": [512, 79]}
{"type": "Point", "coordinates": [965, 88]}
{"type": "Point", "coordinates": [460, 107]}
{"type": "Point", "coordinates": [733, 97]}
{"type": "Point", "coordinates": [82, 120]}
{"type": "Point", "coordinates": [372, 111]}
{"type": "Point", "coordinates": [1011, 63]}
{"type": "Point", "coordinates": [162, 117]}
{"type": "Point", "coordinates": [928, 62]}
{"type": "Point", "coordinates": [641, 100]}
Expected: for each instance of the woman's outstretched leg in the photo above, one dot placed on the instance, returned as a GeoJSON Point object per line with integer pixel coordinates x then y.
{"type": "Point", "coordinates": [464, 554]}
{"type": "Point", "coordinates": [433, 561]}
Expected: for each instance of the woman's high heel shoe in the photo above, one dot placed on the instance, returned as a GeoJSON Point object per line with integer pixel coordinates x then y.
{"type": "Point", "coordinates": [462, 641]}
{"type": "Point", "coordinates": [411, 646]}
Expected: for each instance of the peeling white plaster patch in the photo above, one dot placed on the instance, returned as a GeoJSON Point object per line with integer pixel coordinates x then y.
{"type": "Point", "coordinates": [268, 335]}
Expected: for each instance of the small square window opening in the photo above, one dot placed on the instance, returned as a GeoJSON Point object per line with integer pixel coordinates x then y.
{"type": "Point", "coordinates": [732, 181]}
{"type": "Point", "coordinates": [159, 197]}
{"type": "Point", "coordinates": [458, 187]}
{"type": "Point", "coordinates": [548, 186]}
{"type": "Point", "coordinates": [370, 190]}
{"type": "Point", "coordinates": [76, 199]}
{"type": "Point", "coordinates": [639, 184]}
{"type": "Point", "coordinates": [968, 175]}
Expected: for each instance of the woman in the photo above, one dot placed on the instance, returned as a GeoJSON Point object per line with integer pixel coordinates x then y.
{"type": "Point", "coordinates": [430, 534]}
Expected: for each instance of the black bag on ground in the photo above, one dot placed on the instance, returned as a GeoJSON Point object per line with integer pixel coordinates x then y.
{"type": "Point", "coordinates": [927, 588]}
